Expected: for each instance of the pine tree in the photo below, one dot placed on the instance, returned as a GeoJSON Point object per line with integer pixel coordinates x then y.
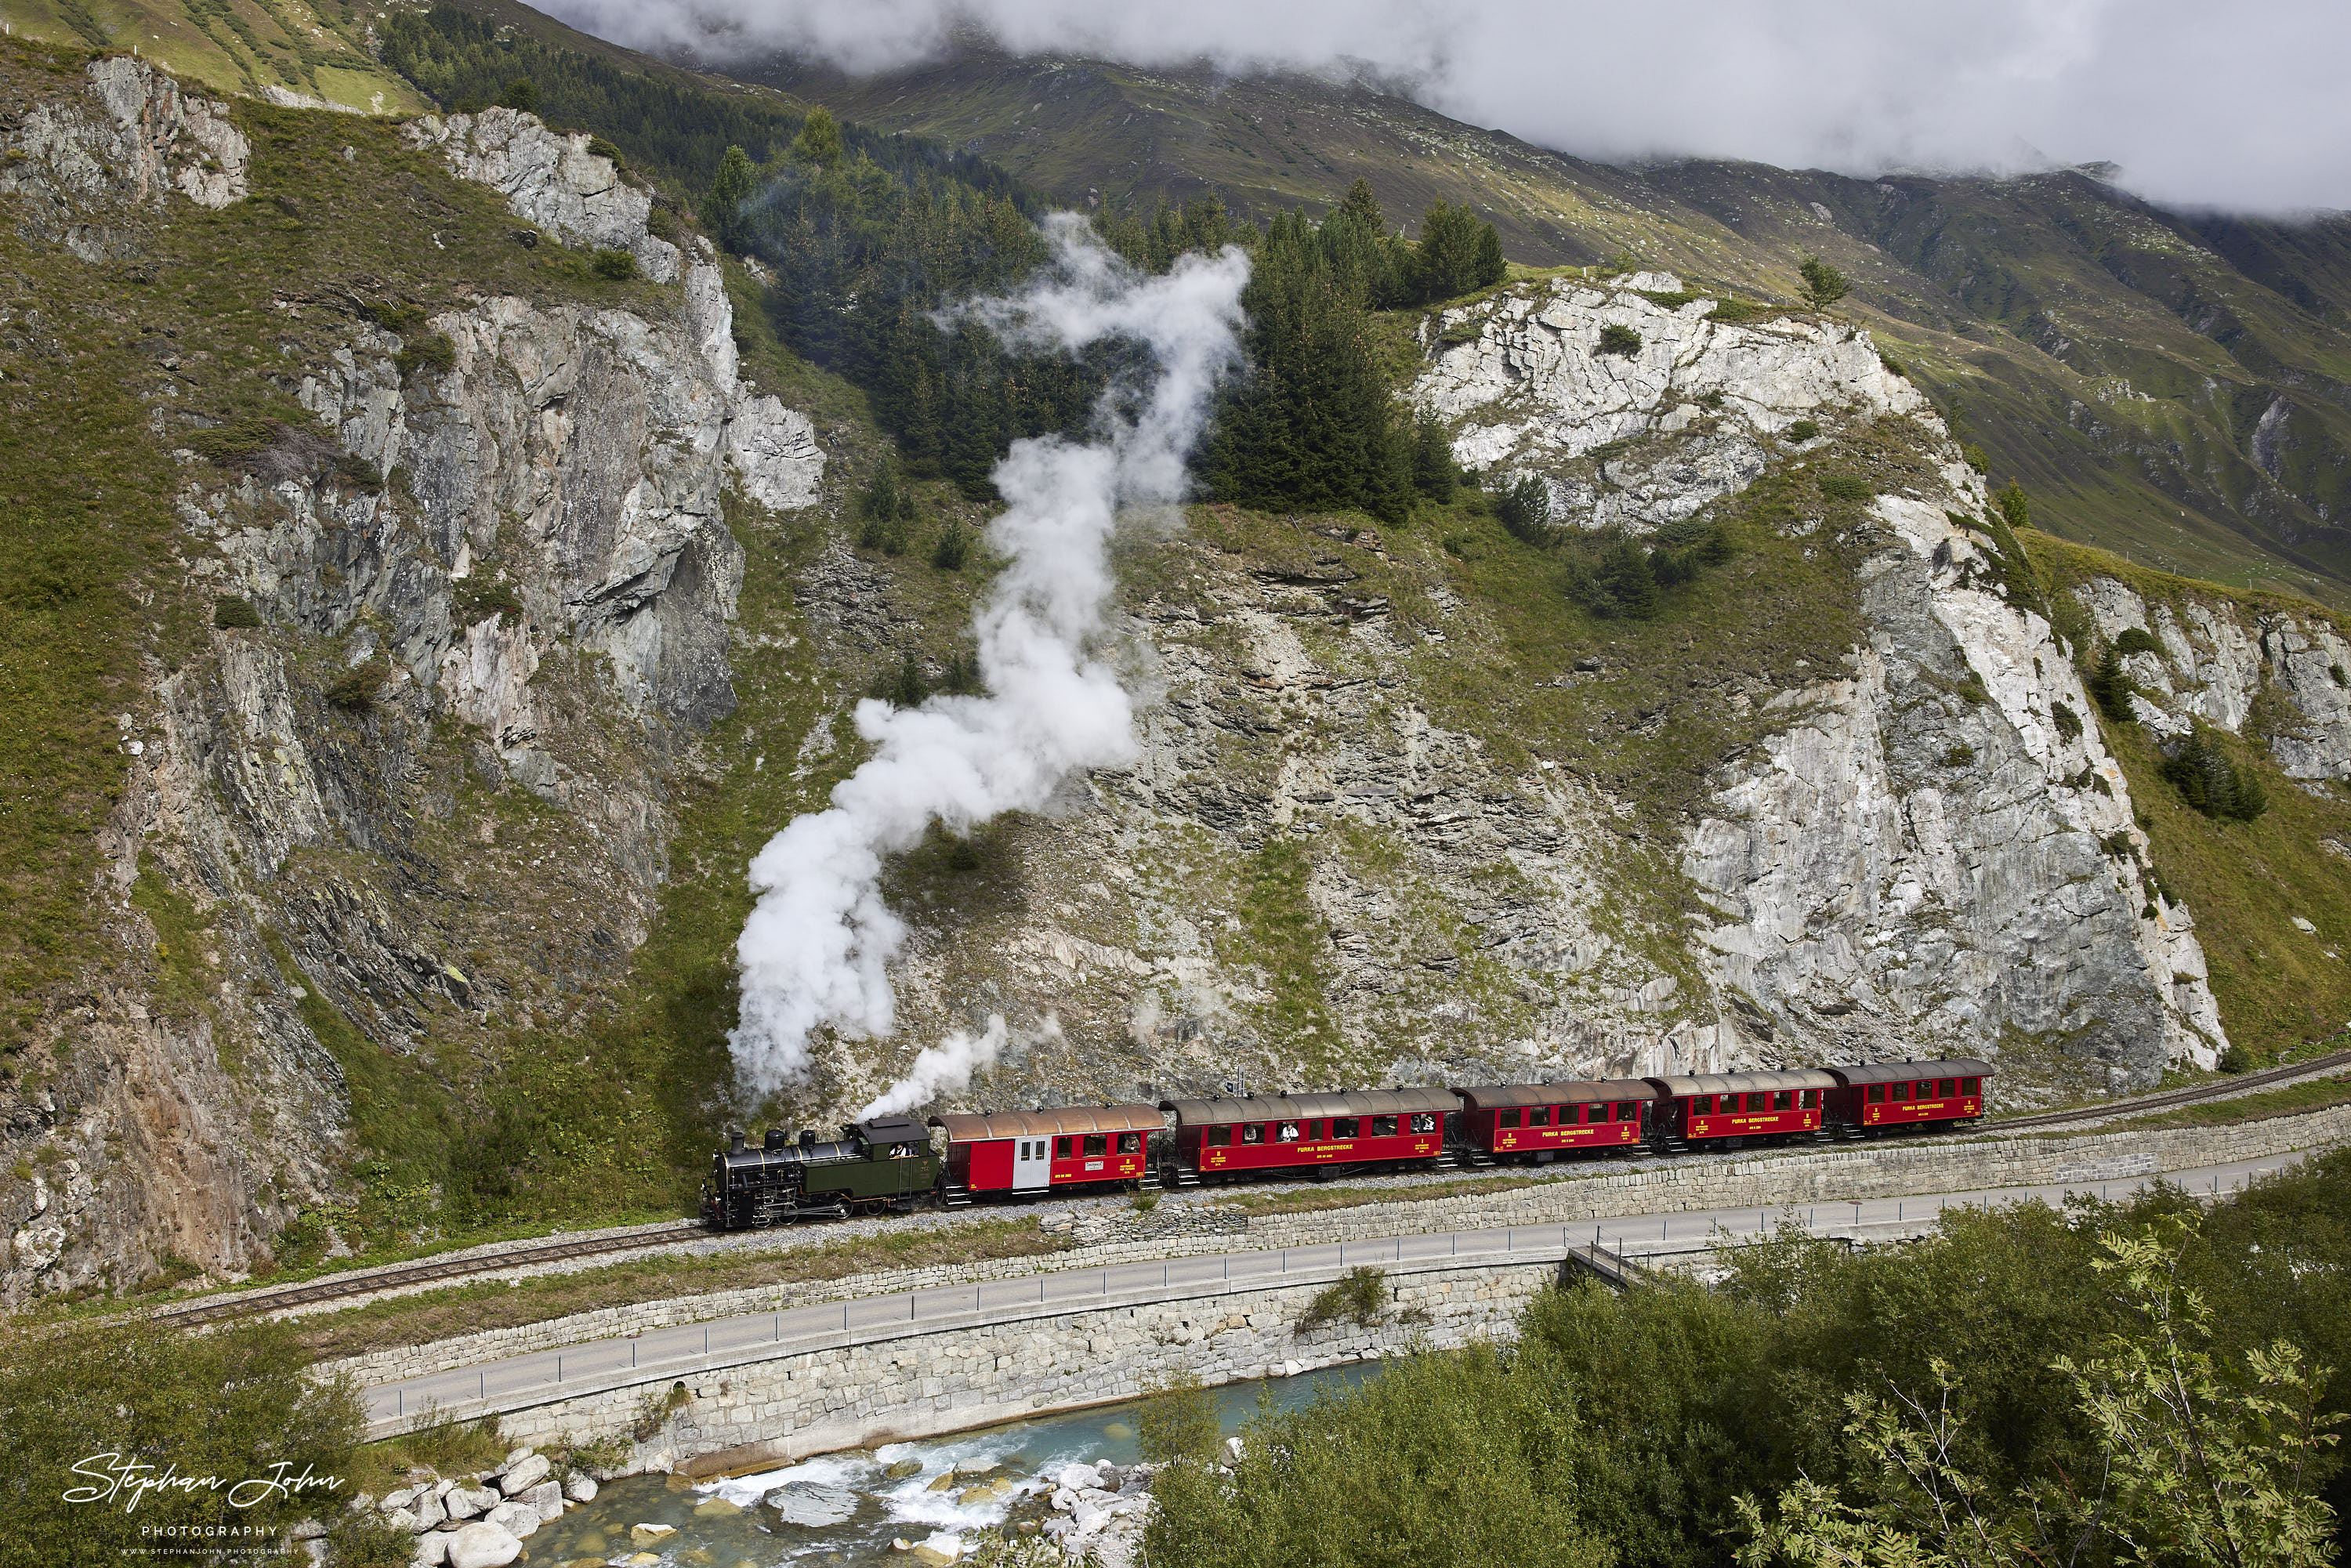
{"type": "Point", "coordinates": [1433, 471]}
{"type": "Point", "coordinates": [818, 143]}
{"type": "Point", "coordinates": [1823, 284]}
{"type": "Point", "coordinates": [1626, 574]}
{"type": "Point", "coordinates": [721, 203]}
{"type": "Point", "coordinates": [1362, 207]}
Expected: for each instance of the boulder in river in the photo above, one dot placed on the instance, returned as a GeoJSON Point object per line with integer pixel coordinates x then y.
{"type": "Point", "coordinates": [812, 1505]}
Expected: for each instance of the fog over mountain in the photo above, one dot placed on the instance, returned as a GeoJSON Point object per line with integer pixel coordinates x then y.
{"type": "Point", "coordinates": [2237, 107]}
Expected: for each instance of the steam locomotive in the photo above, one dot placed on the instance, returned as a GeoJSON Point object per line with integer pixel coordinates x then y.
{"type": "Point", "coordinates": [895, 1164]}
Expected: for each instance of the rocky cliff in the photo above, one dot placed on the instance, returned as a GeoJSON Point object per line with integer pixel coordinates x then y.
{"type": "Point", "coordinates": [495, 564]}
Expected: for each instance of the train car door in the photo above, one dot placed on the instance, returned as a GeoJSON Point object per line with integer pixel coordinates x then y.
{"type": "Point", "coordinates": [1032, 1164]}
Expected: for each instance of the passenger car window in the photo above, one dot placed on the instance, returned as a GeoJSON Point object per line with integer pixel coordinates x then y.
{"type": "Point", "coordinates": [1217, 1137]}
{"type": "Point", "coordinates": [1970, 1085]}
{"type": "Point", "coordinates": [1346, 1126]}
{"type": "Point", "coordinates": [1946, 1089]}
{"type": "Point", "coordinates": [1424, 1121]}
{"type": "Point", "coordinates": [1253, 1133]}
{"type": "Point", "coordinates": [1288, 1134]}
{"type": "Point", "coordinates": [1539, 1118]}
{"type": "Point", "coordinates": [1784, 1100]}
{"type": "Point", "coordinates": [1628, 1110]}
{"type": "Point", "coordinates": [1061, 1148]}
{"type": "Point", "coordinates": [1811, 1100]}
{"type": "Point", "coordinates": [1383, 1126]}
{"type": "Point", "coordinates": [1130, 1142]}
{"type": "Point", "coordinates": [1901, 1092]}
{"type": "Point", "coordinates": [1096, 1144]}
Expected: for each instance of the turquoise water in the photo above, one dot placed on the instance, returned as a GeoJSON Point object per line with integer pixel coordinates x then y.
{"type": "Point", "coordinates": [900, 1508]}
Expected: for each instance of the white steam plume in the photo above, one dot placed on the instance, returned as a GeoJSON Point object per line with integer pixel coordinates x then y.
{"type": "Point", "coordinates": [816, 948]}
{"type": "Point", "coordinates": [939, 1068]}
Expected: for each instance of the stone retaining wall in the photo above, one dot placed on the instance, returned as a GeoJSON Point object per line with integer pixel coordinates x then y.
{"type": "Point", "coordinates": [926, 1382]}
{"type": "Point", "coordinates": [1771, 1180]}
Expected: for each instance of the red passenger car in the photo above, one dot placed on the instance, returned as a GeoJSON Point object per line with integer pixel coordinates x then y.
{"type": "Point", "coordinates": [1014, 1152]}
{"type": "Point", "coordinates": [1727, 1109]}
{"type": "Point", "coordinates": [1221, 1139]}
{"type": "Point", "coordinates": [1540, 1122]}
{"type": "Point", "coordinates": [1885, 1096]}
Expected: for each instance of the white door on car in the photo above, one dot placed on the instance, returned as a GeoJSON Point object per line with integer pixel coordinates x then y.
{"type": "Point", "coordinates": [1032, 1164]}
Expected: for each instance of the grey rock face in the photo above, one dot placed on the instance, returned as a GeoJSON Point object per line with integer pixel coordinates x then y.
{"type": "Point", "coordinates": [546, 553]}
{"type": "Point", "coordinates": [1523, 382]}
{"type": "Point", "coordinates": [132, 138]}
{"type": "Point", "coordinates": [552, 179]}
{"type": "Point", "coordinates": [2212, 665]}
{"type": "Point", "coordinates": [1911, 869]}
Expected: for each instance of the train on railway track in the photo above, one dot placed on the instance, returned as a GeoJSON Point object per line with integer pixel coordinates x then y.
{"type": "Point", "coordinates": [894, 1164]}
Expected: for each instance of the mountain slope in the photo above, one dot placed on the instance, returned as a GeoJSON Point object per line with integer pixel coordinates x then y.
{"type": "Point", "coordinates": [2167, 385]}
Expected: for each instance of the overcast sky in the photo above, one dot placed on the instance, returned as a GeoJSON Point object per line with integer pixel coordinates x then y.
{"type": "Point", "coordinates": [2206, 103]}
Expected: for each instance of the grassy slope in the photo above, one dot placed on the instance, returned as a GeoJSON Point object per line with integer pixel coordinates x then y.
{"type": "Point", "coordinates": [2116, 360]}
{"type": "Point", "coordinates": [237, 46]}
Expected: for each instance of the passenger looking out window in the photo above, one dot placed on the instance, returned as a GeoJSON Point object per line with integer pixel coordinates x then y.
{"type": "Point", "coordinates": [1424, 1121]}
{"type": "Point", "coordinates": [1253, 1133]}
{"type": "Point", "coordinates": [1345, 1127]}
{"type": "Point", "coordinates": [1130, 1142]}
{"type": "Point", "coordinates": [1383, 1126]}
{"type": "Point", "coordinates": [1288, 1134]}
{"type": "Point", "coordinates": [1539, 1118]}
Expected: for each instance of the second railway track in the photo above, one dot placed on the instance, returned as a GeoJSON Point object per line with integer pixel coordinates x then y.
{"type": "Point", "coordinates": [431, 1270]}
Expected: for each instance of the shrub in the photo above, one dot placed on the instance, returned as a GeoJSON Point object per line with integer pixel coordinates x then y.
{"type": "Point", "coordinates": [614, 265]}
{"type": "Point", "coordinates": [356, 689]}
{"type": "Point", "coordinates": [357, 473]}
{"type": "Point", "coordinates": [1803, 430]}
{"type": "Point", "coordinates": [660, 223]}
{"type": "Point", "coordinates": [1823, 284]}
{"type": "Point", "coordinates": [2014, 509]}
{"type": "Point", "coordinates": [1525, 510]}
{"type": "Point", "coordinates": [2110, 687]}
{"type": "Point", "coordinates": [891, 535]}
{"type": "Point", "coordinates": [1433, 471]}
{"type": "Point", "coordinates": [1625, 577]}
{"type": "Point", "coordinates": [1960, 755]}
{"type": "Point", "coordinates": [1712, 400]}
{"type": "Point", "coordinates": [2234, 1059]}
{"type": "Point", "coordinates": [819, 141]}
{"type": "Point", "coordinates": [232, 612]}
{"type": "Point", "coordinates": [901, 687]}
{"type": "Point", "coordinates": [1358, 1297]}
{"type": "Point", "coordinates": [722, 205]}
{"type": "Point", "coordinates": [600, 148]}
{"type": "Point", "coordinates": [1730, 312]}
{"type": "Point", "coordinates": [1893, 366]}
{"type": "Point", "coordinates": [479, 598]}
{"type": "Point", "coordinates": [1618, 339]}
{"type": "Point", "coordinates": [2137, 640]}
{"type": "Point", "coordinates": [368, 1540]}
{"type": "Point", "coordinates": [433, 353]}
{"type": "Point", "coordinates": [2068, 722]}
{"type": "Point", "coordinates": [954, 549]}
{"type": "Point", "coordinates": [2212, 783]}
{"type": "Point", "coordinates": [654, 1410]}
{"type": "Point", "coordinates": [962, 678]}
{"type": "Point", "coordinates": [1846, 487]}
{"type": "Point", "coordinates": [522, 93]}
{"type": "Point", "coordinates": [1179, 1419]}
{"type": "Point", "coordinates": [1976, 457]}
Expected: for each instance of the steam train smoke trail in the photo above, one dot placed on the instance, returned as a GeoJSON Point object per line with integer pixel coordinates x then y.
{"type": "Point", "coordinates": [816, 948]}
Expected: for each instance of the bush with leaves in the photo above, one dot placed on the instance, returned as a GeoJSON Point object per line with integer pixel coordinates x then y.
{"type": "Point", "coordinates": [1457, 254]}
{"type": "Point", "coordinates": [953, 551]}
{"type": "Point", "coordinates": [1618, 339]}
{"type": "Point", "coordinates": [1434, 473]}
{"type": "Point", "coordinates": [2192, 1461]}
{"type": "Point", "coordinates": [2015, 510]}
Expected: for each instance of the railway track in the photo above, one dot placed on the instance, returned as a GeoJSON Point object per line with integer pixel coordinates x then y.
{"type": "Point", "coordinates": [433, 1270]}
{"type": "Point", "coordinates": [422, 1272]}
{"type": "Point", "coordinates": [2227, 1088]}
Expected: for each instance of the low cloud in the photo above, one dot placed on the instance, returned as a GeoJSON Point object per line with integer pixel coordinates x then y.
{"type": "Point", "coordinates": [2238, 107]}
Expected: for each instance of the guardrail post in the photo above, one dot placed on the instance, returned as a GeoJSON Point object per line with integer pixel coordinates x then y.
{"type": "Point", "coordinates": [559, 1366]}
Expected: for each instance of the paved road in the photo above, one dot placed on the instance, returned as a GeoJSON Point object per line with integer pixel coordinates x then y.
{"type": "Point", "coordinates": [519, 1382]}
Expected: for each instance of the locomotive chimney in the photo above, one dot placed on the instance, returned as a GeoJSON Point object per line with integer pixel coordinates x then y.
{"type": "Point", "coordinates": [734, 1140]}
{"type": "Point", "coordinates": [778, 1139]}
{"type": "Point", "coordinates": [808, 1137]}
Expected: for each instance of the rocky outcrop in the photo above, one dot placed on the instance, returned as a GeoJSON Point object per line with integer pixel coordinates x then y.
{"type": "Point", "coordinates": [1937, 856]}
{"type": "Point", "coordinates": [508, 568]}
{"type": "Point", "coordinates": [134, 139]}
{"type": "Point", "coordinates": [552, 179]}
{"type": "Point", "coordinates": [1529, 386]}
{"type": "Point", "coordinates": [2274, 674]}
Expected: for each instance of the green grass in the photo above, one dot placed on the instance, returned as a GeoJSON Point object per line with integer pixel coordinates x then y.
{"type": "Point", "coordinates": [2294, 1099]}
